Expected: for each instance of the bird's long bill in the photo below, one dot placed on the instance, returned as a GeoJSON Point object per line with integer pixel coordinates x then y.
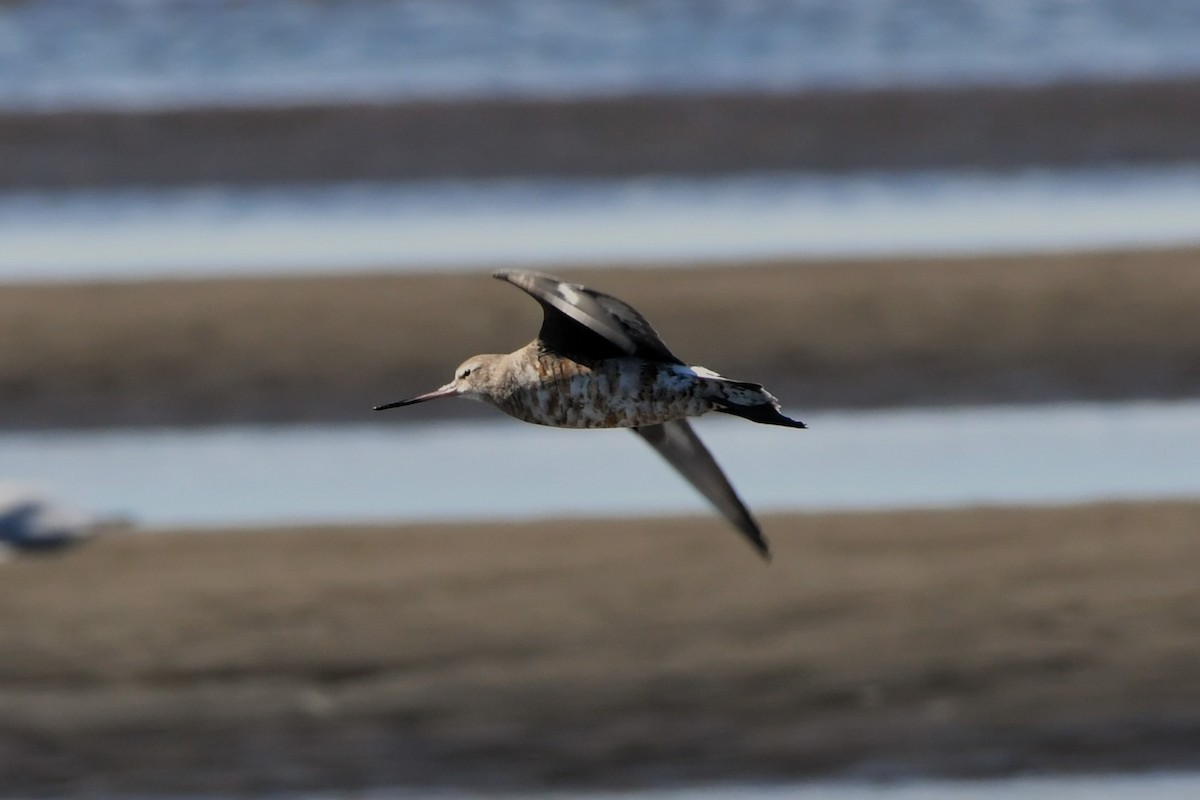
{"type": "Point", "coordinates": [446, 391]}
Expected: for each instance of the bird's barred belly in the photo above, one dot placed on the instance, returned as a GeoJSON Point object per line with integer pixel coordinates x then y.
{"type": "Point", "coordinates": [618, 393]}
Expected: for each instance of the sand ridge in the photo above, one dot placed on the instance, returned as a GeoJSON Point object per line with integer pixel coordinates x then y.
{"type": "Point", "coordinates": [585, 653]}
{"type": "Point", "coordinates": [1065, 124]}
{"type": "Point", "coordinates": [1037, 328]}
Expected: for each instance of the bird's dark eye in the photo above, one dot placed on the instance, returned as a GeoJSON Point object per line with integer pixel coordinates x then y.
{"type": "Point", "coordinates": [465, 373]}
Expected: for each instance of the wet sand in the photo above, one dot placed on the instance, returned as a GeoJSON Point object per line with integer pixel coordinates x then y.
{"type": "Point", "coordinates": [1037, 328]}
{"type": "Point", "coordinates": [1068, 124]}
{"type": "Point", "coordinates": [568, 653]}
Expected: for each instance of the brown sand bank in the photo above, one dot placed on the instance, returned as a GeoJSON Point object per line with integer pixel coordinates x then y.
{"type": "Point", "coordinates": [893, 129]}
{"type": "Point", "coordinates": [958, 642]}
{"type": "Point", "coordinates": [1011, 329]}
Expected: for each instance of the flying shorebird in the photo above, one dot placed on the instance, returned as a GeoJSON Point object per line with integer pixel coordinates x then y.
{"type": "Point", "coordinates": [597, 363]}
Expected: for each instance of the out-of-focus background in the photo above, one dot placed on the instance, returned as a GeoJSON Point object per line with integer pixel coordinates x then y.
{"type": "Point", "coordinates": [960, 239]}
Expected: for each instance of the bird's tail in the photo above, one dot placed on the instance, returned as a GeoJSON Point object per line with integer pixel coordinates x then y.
{"type": "Point", "coordinates": [751, 401]}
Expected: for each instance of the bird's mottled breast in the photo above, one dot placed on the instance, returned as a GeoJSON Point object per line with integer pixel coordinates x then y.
{"type": "Point", "coordinates": [548, 389]}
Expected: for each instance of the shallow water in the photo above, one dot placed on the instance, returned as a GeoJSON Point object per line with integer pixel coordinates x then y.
{"type": "Point", "coordinates": [1151, 786]}
{"type": "Point", "coordinates": [504, 469]}
{"type": "Point", "coordinates": [61, 53]}
{"type": "Point", "coordinates": [447, 225]}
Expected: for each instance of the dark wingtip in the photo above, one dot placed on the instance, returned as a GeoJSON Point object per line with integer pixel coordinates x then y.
{"type": "Point", "coordinates": [758, 541]}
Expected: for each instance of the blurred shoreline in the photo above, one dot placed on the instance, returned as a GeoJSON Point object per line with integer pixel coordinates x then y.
{"type": "Point", "coordinates": [960, 240]}
{"type": "Point", "coordinates": [1080, 123]}
{"type": "Point", "coordinates": [821, 334]}
{"type": "Point", "coordinates": [585, 654]}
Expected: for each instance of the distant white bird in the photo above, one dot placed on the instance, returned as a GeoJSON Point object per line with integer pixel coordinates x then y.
{"type": "Point", "coordinates": [30, 521]}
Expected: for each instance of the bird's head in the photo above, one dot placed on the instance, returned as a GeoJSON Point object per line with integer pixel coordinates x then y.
{"type": "Point", "coordinates": [472, 380]}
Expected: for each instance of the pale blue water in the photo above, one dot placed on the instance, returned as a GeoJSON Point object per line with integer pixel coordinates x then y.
{"type": "Point", "coordinates": [504, 469]}
{"type": "Point", "coordinates": [1143, 787]}
{"type": "Point", "coordinates": [473, 225]}
{"type": "Point", "coordinates": [56, 53]}
{"type": "Point", "coordinates": [1150, 786]}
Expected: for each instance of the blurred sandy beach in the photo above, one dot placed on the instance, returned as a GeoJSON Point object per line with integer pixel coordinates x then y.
{"type": "Point", "coordinates": [1064, 124]}
{"type": "Point", "coordinates": [587, 654]}
{"type": "Point", "coordinates": [1036, 328]}
{"type": "Point", "coordinates": [553, 650]}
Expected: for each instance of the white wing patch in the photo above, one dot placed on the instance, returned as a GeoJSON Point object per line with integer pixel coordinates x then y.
{"type": "Point", "coordinates": [703, 372]}
{"type": "Point", "coordinates": [569, 294]}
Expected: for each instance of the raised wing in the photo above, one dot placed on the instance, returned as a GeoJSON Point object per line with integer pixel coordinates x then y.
{"type": "Point", "coordinates": [584, 324]}
{"type": "Point", "coordinates": [678, 443]}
